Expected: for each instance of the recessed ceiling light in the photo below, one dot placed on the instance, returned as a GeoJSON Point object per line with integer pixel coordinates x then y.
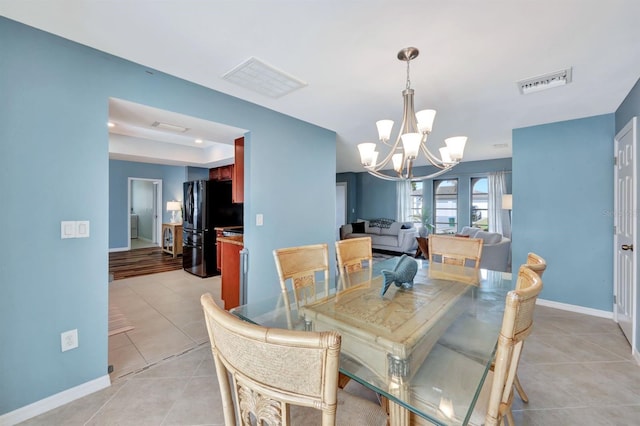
{"type": "Point", "coordinates": [171, 127]}
{"type": "Point", "coordinates": [198, 140]}
{"type": "Point", "coordinates": [544, 82]}
{"type": "Point", "coordinates": [256, 75]}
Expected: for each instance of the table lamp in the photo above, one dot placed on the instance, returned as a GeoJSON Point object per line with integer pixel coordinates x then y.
{"type": "Point", "coordinates": [173, 207]}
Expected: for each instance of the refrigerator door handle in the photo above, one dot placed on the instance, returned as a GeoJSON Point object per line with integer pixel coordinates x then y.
{"type": "Point", "coordinates": [244, 268]}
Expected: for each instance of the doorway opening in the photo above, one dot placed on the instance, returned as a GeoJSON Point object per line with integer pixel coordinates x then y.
{"type": "Point", "coordinates": [144, 207]}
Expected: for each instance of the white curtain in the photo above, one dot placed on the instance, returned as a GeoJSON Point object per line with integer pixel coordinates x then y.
{"type": "Point", "coordinates": [403, 191]}
{"type": "Point", "coordinates": [499, 219]}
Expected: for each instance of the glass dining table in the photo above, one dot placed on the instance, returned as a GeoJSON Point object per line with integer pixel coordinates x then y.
{"type": "Point", "coordinates": [397, 343]}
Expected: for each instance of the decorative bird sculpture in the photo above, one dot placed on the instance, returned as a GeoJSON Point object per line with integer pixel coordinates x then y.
{"type": "Point", "coordinates": [402, 275]}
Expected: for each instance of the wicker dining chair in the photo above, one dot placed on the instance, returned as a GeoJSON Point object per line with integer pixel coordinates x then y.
{"type": "Point", "coordinates": [351, 255]}
{"type": "Point", "coordinates": [455, 251]}
{"type": "Point", "coordinates": [538, 265]}
{"type": "Point", "coordinates": [493, 404]}
{"type": "Point", "coordinates": [299, 265]}
{"type": "Point", "coordinates": [280, 377]}
{"type": "Point", "coordinates": [517, 324]}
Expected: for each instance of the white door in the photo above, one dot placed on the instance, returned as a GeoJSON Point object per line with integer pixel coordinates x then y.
{"type": "Point", "coordinates": [341, 206]}
{"type": "Point", "coordinates": [625, 230]}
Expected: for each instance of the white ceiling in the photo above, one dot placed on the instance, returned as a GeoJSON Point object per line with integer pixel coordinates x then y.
{"type": "Point", "coordinates": [472, 53]}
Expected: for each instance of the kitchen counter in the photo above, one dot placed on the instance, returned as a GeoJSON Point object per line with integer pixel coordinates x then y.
{"type": "Point", "coordinates": [235, 230]}
{"type": "Point", "coordinates": [232, 239]}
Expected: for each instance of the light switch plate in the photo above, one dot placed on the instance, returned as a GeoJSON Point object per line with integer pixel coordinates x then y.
{"type": "Point", "coordinates": [67, 229]}
{"type": "Point", "coordinates": [82, 229]}
{"type": "Point", "coordinates": [259, 219]}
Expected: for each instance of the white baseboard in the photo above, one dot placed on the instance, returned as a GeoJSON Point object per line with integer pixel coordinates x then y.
{"type": "Point", "coordinates": [575, 308]}
{"type": "Point", "coordinates": [113, 250]}
{"type": "Point", "coordinates": [54, 401]}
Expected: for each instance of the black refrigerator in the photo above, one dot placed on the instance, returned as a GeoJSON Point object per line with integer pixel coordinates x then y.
{"type": "Point", "coordinates": [207, 205]}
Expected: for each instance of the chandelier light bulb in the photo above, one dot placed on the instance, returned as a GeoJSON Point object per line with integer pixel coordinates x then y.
{"type": "Point", "coordinates": [455, 146]}
{"type": "Point", "coordinates": [444, 154]}
{"type": "Point", "coordinates": [384, 129]}
{"type": "Point", "coordinates": [411, 144]}
{"type": "Point", "coordinates": [397, 162]}
{"type": "Point", "coordinates": [366, 153]}
{"type": "Point", "coordinates": [425, 120]}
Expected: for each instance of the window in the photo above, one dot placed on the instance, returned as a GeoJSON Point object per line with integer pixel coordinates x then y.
{"type": "Point", "coordinates": [416, 202]}
{"type": "Point", "coordinates": [445, 200]}
{"type": "Point", "coordinates": [480, 203]}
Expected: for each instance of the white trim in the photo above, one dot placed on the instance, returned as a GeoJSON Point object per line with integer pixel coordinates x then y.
{"type": "Point", "coordinates": [575, 308]}
{"type": "Point", "coordinates": [113, 250]}
{"type": "Point", "coordinates": [54, 401]}
{"type": "Point", "coordinates": [158, 212]}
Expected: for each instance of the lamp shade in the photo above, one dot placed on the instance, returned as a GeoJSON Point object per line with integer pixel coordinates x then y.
{"type": "Point", "coordinates": [507, 202]}
{"type": "Point", "coordinates": [455, 145]}
{"type": "Point", "coordinates": [411, 144]}
{"type": "Point", "coordinates": [384, 129]}
{"type": "Point", "coordinates": [425, 120]}
{"type": "Point", "coordinates": [174, 206]}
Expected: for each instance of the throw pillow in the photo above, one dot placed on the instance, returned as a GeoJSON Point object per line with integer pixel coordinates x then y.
{"type": "Point", "coordinates": [358, 227]}
{"type": "Point", "coordinates": [381, 223]}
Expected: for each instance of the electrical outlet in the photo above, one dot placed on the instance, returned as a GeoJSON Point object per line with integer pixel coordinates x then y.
{"type": "Point", "coordinates": [69, 340]}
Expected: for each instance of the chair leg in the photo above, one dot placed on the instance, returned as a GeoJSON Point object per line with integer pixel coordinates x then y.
{"type": "Point", "coordinates": [520, 390]}
{"type": "Point", "coordinates": [509, 416]}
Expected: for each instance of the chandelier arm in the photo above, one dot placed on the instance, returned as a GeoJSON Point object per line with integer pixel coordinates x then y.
{"type": "Point", "coordinates": [435, 161]}
{"type": "Point", "coordinates": [412, 179]}
{"type": "Point", "coordinates": [386, 159]}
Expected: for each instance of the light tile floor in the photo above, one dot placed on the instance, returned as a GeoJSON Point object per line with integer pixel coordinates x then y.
{"type": "Point", "coordinates": [166, 313]}
{"type": "Point", "coordinates": [576, 369]}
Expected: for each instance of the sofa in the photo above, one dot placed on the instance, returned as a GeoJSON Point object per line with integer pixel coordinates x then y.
{"type": "Point", "coordinates": [496, 248]}
{"type": "Point", "coordinates": [386, 234]}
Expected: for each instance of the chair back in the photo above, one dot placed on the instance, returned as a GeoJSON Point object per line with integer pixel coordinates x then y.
{"type": "Point", "coordinates": [517, 323]}
{"type": "Point", "coordinates": [455, 251]}
{"type": "Point", "coordinates": [351, 254]}
{"type": "Point", "coordinates": [271, 369]}
{"type": "Point", "coordinates": [299, 265]}
{"type": "Point", "coordinates": [536, 263]}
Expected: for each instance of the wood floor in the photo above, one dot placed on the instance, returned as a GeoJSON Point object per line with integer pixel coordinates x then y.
{"type": "Point", "coordinates": [144, 261]}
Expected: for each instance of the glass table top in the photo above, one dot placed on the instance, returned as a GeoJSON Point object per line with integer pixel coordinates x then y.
{"type": "Point", "coordinates": [426, 348]}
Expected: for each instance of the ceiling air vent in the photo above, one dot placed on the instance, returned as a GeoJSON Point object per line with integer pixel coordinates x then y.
{"type": "Point", "coordinates": [256, 75]}
{"type": "Point", "coordinates": [543, 82]}
{"type": "Point", "coordinates": [170, 127]}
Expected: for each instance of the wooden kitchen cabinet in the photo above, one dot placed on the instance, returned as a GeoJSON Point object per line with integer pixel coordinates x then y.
{"type": "Point", "coordinates": [238, 172]}
{"type": "Point", "coordinates": [230, 271]}
{"type": "Point", "coordinates": [221, 173]}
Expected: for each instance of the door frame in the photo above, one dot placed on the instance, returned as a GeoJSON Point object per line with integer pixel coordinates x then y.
{"type": "Point", "coordinates": [157, 210]}
{"type": "Point", "coordinates": [346, 207]}
{"type": "Point", "coordinates": [631, 126]}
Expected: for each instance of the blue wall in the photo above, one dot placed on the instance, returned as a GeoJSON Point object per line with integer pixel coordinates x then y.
{"type": "Point", "coordinates": [630, 108]}
{"type": "Point", "coordinates": [562, 191]}
{"type": "Point", "coordinates": [172, 178]}
{"type": "Point", "coordinates": [54, 110]}
{"type": "Point", "coordinates": [376, 198]}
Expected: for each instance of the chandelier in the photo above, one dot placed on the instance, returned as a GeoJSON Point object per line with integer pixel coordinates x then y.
{"type": "Point", "coordinates": [414, 130]}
